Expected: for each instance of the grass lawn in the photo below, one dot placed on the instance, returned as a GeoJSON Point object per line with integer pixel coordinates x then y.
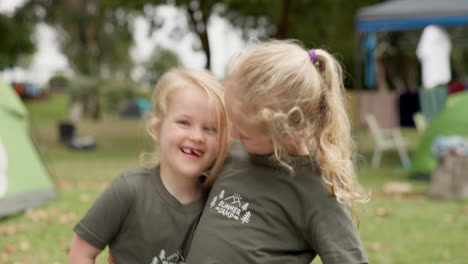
{"type": "Point", "coordinates": [394, 229]}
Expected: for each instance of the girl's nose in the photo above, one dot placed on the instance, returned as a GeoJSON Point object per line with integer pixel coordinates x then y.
{"type": "Point", "coordinates": [197, 135]}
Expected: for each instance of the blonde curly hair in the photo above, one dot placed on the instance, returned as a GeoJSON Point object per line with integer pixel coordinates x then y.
{"type": "Point", "coordinates": [291, 96]}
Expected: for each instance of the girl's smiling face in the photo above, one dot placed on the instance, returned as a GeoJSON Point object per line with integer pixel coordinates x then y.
{"type": "Point", "coordinates": [187, 135]}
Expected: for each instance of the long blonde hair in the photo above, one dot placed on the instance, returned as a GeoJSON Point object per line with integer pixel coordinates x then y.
{"type": "Point", "coordinates": [178, 78]}
{"type": "Point", "coordinates": [292, 96]}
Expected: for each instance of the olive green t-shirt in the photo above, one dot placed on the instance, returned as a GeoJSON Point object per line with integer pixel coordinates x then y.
{"type": "Point", "coordinates": [258, 213]}
{"type": "Point", "coordinates": [140, 220]}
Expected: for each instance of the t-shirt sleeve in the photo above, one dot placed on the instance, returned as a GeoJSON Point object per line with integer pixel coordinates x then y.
{"type": "Point", "coordinates": [103, 220]}
{"type": "Point", "coordinates": [333, 234]}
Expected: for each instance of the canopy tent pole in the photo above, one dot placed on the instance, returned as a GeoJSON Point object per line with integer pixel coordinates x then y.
{"type": "Point", "coordinates": [357, 82]}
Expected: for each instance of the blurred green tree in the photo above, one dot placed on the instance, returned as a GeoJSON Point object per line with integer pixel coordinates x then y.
{"type": "Point", "coordinates": [160, 61]}
{"type": "Point", "coordinates": [94, 35]}
{"type": "Point", "coordinates": [16, 40]}
{"type": "Point", "coordinates": [320, 23]}
{"type": "Point", "coordinates": [327, 24]}
{"type": "Point", "coordinates": [59, 82]}
{"type": "Point", "coordinates": [198, 13]}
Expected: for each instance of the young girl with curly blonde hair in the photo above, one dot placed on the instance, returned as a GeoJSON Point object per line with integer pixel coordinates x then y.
{"type": "Point", "coordinates": [292, 196]}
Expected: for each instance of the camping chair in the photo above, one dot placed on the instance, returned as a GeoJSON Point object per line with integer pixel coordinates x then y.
{"type": "Point", "coordinates": [386, 139]}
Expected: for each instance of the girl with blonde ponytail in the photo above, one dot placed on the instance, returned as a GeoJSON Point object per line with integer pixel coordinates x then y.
{"type": "Point", "coordinates": [292, 197]}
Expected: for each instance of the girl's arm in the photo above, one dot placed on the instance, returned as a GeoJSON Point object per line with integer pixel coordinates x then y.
{"type": "Point", "coordinates": [110, 259]}
{"type": "Point", "coordinates": [81, 252]}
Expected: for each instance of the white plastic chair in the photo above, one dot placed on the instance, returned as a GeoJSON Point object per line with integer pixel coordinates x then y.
{"type": "Point", "coordinates": [386, 139]}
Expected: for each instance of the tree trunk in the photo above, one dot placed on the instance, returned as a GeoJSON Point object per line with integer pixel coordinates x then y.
{"type": "Point", "coordinates": [283, 23]}
{"type": "Point", "coordinates": [200, 28]}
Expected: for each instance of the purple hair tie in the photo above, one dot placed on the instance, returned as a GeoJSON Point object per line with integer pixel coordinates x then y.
{"type": "Point", "coordinates": [312, 55]}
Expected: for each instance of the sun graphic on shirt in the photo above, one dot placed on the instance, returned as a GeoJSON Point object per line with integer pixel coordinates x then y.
{"type": "Point", "coordinates": [236, 198]}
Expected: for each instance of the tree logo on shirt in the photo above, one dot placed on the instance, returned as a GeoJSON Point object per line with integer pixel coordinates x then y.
{"type": "Point", "coordinates": [175, 258]}
{"type": "Point", "coordinates": [231, 207]}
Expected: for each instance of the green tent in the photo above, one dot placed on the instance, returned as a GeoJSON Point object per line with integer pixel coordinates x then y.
{"type": "Point", "coordinates": [24, 181]}
{"type": "Point", "coordinates": [452, 120]}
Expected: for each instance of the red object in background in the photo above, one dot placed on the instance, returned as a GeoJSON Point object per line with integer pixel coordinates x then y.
{"type": "Point", "coordinates": [19, 88]}
{"type": "Point", "coordinates": [455, 87]}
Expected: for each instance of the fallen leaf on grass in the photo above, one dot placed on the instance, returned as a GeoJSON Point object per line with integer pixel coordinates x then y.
{"type": "Point", "coordinates": [8, 230]}
{"type": "Point", "coordinates": [449, 218]}
{"type": "Point", "coordinates": [104, 185]}
{"type": "Point", "coordinates": [63, 184]}
{"type": "Point", "coordinates": [9, 249]}
{"type": "Point", "coordinates": [398, 189]}
{"type": "Point", "coordinates": [382, 212]}
{"type": "Point", "coordinates": [93, 184]}
{"type": "Point", "coordinates": [464, 210]}
{"type": "Point", "coordinates": [375, 246]}
{"type": "Point", "coordinates": [67, 218]}
{"type": "Point", "coordinates": [90, 184]}
{"type": "Point", "coordinates": [24, 245]}
{"type": "Point", "coordinates": [84, 197]}
{"type": "Point", "coordinates": [24, 261]}
{"type": "Point", "coordinates": [36, 215]}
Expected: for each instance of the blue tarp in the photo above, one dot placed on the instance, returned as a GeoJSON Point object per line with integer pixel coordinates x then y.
{"type": "Point", "coordinates": [411, 14]}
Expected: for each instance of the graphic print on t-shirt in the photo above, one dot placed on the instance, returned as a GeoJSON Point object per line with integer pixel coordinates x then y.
{"type": "Point", "coordinates": [231, 207]}
{"type": "Point", "coordinates": [175, 258]}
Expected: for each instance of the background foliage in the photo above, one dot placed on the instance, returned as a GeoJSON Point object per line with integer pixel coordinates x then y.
{"type": "Point", "coordinates": [96, 35]}
{"type": "Point", "coordinates": [16, 40]}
